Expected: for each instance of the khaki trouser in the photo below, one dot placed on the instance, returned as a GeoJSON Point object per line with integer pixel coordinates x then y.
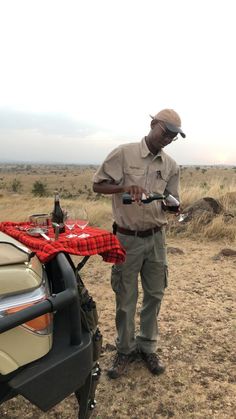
{"type": "Point", "coordinates": [146, 256]}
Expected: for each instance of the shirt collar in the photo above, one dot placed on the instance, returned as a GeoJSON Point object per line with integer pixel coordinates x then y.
{"type": "Point", "coordinates": [145, 150]}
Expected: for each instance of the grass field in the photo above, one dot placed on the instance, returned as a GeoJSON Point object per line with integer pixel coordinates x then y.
{"type": "Point", "coordinates": [75, 186]}
{"type": "Point", "coordinates": [197, 320]}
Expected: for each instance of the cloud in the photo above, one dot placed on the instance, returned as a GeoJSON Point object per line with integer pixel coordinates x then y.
{"type": "Point", "coordinates": [53, 137]}
{"type": "Point", "coordinates": [45, 123]}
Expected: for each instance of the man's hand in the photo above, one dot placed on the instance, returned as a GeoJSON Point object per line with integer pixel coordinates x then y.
{"type": "Point", "coordinates": [136, 192]}
{"type": "Point", "coordinates": [173, 209]}
{"type": "Point", "coordinates": [108, 187]}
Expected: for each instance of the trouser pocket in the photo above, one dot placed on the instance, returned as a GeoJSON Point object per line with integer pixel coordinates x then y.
{"type": "Point", "coordinates": [116, 274]}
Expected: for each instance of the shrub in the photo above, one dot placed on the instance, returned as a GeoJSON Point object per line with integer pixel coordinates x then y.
{"type": "Point", "coordinates": [16, 185]}
{"type": "Point", "coordinates": [39, 188]}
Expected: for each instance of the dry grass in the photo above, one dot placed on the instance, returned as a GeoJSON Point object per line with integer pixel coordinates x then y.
{"type": "Point", "coordinates": [197, 320]}
{"type": "Point", "coordinates": [217, 229]}
{"type": "Point", "coordinates": [75, 186]}
{"type": "Point", "coordinates": [189, 194]}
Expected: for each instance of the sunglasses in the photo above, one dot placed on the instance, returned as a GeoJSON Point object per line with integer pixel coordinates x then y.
{"type": "Point", "coordinates": [172, 136]}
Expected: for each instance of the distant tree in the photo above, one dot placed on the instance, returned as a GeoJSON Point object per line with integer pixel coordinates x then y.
{"type": "Point", "coordinates": [39, 188]}
{"type": "Point", "coordinates": [16, 185]}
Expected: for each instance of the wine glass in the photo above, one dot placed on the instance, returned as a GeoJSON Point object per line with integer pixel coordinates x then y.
{"type": "Point", "coordinates": [70, 223]}
{"type": "Point", "coordinates": [82, 220]}
{"type": "Point", "coordinates": [82, 223]}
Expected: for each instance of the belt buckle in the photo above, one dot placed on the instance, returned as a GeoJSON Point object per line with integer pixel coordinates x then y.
{"type": "Point", "coordinates": [143, 233]}
{"type": "Point", "coordinates": [146, 233]}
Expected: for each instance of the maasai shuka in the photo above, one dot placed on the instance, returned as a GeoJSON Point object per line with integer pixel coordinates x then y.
{"type": "Point", "coordinates": [99, 241]}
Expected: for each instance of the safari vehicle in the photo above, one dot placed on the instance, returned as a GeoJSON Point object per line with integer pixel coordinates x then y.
{"type": "Point", "coordinates": [46, 349]}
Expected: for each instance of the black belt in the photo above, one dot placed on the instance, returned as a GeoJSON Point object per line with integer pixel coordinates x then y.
{"type": "Point", "coordinates": [144, 233]}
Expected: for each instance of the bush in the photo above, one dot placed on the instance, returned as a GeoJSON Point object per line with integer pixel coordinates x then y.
{"type": "Point", "coordinates": [16, 185]}
{"type": "Point", "coordinates": [39, 188]}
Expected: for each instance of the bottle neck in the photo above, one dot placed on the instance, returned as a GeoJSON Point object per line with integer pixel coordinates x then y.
{"type": "Point", "coordinates": [57, 197]}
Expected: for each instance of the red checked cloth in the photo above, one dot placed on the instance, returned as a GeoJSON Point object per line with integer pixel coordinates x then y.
{"type": "Point", "coordinates": [100, 242]}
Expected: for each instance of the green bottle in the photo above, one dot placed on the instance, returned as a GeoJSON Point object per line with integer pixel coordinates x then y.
{"type": "Point", "coordinates": [57, 213]}
{"type": "Point", "coordinates": [127, 198]}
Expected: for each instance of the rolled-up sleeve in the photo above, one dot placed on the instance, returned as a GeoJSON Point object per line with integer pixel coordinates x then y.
{"type": "Point", "coordinates": [111, 169]}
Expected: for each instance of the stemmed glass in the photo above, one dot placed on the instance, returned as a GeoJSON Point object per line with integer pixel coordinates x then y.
{"type": "Point", "coordinates": [70, 223]}
{"type": "Point", "coordinates": [82, 221]}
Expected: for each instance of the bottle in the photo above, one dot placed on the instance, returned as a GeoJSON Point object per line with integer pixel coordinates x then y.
{"type": "Point", "coordinates": [168, 202]}
{"type": "Point", "coordinates": [57, 214]}
{"type": "Point", "coordinates": [127, 199]}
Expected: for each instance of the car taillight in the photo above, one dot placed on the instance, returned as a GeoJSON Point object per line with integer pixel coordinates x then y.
{"type": "Point", "coordinates": [41, 325]}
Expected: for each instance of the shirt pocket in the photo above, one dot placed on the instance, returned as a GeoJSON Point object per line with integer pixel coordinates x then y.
{"type": "Point", "coordinates": [134, 177]}
{"type": "Point", "coordinates": [158, 180]}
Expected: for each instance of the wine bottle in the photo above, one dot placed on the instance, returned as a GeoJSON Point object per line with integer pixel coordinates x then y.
{"type": "Point", "coordinates": [146, 199]}
{"type": "Point", "coordinates": [57, 214]}
{"type": "Point", "coordinates": [168, 202]}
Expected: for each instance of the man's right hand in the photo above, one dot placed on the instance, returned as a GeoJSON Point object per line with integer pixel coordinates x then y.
{"type": "Point", "coordinates": [136, 192]}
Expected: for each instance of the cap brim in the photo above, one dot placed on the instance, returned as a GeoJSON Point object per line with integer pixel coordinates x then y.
{"type": "Point", "coordinates": [175, 129]}
{"type": "Point", "coordinates": [172, 128]}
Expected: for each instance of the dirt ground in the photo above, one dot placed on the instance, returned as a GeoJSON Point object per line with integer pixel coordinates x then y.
{"type": "Point", "coordinates": [197, 343]}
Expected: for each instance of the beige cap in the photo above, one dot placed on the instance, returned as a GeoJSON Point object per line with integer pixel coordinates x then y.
{"type": "Point", "coordinates": [171, 119]}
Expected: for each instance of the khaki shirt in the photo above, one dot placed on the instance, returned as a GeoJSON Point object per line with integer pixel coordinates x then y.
{"type": "Point", "coordinates": [133, 164]}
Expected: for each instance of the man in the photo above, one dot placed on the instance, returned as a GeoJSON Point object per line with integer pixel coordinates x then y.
{"type": "Point", "coordinates": [140, 168]}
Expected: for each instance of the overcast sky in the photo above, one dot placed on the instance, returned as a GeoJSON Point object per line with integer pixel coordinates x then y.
{"type": "Point", "coordinates": [78, 78]}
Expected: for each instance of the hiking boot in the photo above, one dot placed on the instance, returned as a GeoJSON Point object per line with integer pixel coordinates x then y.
{"type": "Point", "coordinates": [153, 363]}
{"type": "Point", "coordinates": [119, 365]}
